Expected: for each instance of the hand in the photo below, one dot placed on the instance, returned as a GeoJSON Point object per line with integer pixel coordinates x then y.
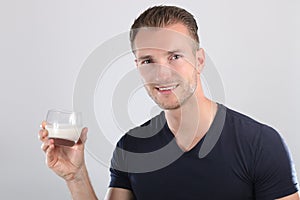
{"type": "Point", "coordinates": [66, 162]}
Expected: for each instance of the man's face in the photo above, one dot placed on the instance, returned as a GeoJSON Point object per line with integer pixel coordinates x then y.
{"type": "Point", "coordinates": [167, 60]}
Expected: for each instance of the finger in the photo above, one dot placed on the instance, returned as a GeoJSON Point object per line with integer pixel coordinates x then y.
{"type": "Point", "coordinates": [83, 136]}
{"type": "Point", "coordinates": [43, 124]}
{"type": "Point", "coordinates": [43, 135]}
{"type": "Point", "coordinates": [50, 156]}
{"type": "Point", "coordinates": [45, 146]}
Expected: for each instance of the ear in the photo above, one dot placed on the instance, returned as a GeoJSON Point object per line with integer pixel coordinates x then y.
{"type": "Point", "coordinates": [200, 60]}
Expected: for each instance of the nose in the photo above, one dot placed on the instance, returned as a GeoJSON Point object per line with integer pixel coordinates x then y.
{"type": "Point", "coordinates": [163, 73]}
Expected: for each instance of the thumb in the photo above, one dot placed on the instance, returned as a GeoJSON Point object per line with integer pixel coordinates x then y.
{"type": "Point", "coordinates": [83, 136]}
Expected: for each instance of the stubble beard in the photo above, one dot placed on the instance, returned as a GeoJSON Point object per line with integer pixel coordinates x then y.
{"type": "Point", "coordinates": [187, 91]}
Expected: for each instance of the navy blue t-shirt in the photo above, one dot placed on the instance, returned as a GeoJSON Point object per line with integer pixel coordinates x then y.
{"type": "Point", "coordinates": [245, 160]}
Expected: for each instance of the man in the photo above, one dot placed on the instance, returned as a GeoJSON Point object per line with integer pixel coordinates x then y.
{"type": "Point", "coordinates": [194, 149]}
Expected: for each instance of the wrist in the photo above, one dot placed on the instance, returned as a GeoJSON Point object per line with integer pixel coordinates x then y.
{"type": "Point", "coordinates": [80, 186]}
{"type": "Point", "coordinates": [76, 177]}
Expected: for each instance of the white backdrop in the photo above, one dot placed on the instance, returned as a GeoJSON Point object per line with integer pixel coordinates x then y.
{"type": "Point", "coordinates": [255, 46]}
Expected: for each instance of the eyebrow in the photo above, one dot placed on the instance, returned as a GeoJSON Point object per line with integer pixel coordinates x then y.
{"type": "Point", "coordinates": [174, 51]}
{"type": "Point", "coordinates": [168, 53]}
{"type": "Point", "coordinates": [144, 57]}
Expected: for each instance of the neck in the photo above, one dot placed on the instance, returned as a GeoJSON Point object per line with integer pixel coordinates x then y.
{"type": "Point", "coordinates": [190, 122]}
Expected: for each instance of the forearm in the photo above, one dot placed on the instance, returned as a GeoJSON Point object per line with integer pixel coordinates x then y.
{"type": "Point", "coordinates": [81, 187]}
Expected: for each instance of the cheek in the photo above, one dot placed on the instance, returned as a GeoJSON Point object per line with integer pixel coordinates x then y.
{"type": "Point", "coordinates": [186, 72]}
{"type": "Point", "coordinates": [147, 74]}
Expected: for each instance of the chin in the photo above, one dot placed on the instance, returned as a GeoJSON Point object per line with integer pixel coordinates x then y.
{"type": "Point", "coordinates": [171, 108]}
{"type": "Point", "coordinates": [168, 106]}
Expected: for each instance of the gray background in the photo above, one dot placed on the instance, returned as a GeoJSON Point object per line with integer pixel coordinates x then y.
{"type": "Point", "coordinates": [43, 44]}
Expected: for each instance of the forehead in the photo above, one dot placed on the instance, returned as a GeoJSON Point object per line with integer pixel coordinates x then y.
{"type": "Point", "coordinates": [169, 38]}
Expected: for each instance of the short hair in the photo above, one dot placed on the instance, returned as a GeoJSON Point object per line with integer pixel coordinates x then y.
{"type": "Point", "coordinates": [162, 16]}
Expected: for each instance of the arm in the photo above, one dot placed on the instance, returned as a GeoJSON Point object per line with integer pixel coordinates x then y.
{"type": "Point", "coordinates": [68, 163]}
{"type": "Point", "coordinates": [81, 187]}
{"type": "Point", "coordinates": [275, 173]}
{"type": "Point", "coordinates": [294, 196]}
{"type": "Point", "coordinates": [119, 194]}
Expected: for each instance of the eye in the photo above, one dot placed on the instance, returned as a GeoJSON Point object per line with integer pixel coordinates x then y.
{"type": "Point", "coordinates": [175, 57]}
{"type": "Point", "coordinates": [144, 62]}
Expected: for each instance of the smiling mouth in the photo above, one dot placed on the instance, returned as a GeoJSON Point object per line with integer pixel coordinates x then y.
{"type": "Point", "coordinates": [166, 88]}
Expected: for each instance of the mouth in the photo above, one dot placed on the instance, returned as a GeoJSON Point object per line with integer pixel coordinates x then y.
{"type": "Point", "coordinates": [166, 89]}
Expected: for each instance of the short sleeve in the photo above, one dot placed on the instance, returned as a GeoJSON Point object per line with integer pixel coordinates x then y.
{"type": "Point", "coordinates": [119, 179]}
{"type": "Point", "coordinates": [119, 175]}
{"type": "Point", "coordinates": [274, 172]}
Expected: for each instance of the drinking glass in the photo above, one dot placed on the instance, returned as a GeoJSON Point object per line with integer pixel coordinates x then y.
{"type": "Point", "coordinates": [64, 126]}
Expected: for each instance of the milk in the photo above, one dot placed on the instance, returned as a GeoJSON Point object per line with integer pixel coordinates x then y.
{"type": "Point", "coordinates": [71, 133]}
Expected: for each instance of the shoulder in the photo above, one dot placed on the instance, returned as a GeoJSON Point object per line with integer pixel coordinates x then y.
{"type": "Point", "coordinates": [248, 128]}
{"type": "Point", "coordinates": [260, 143]}
{"type": "Point", "coordinates": [254, 141]}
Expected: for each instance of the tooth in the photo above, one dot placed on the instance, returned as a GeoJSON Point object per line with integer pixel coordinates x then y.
{"type": "Point", "coordinates": [167, 88]}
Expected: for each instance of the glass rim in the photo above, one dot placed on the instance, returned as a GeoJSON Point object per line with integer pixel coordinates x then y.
{"type": "Point", "coordinates": [58, 110]}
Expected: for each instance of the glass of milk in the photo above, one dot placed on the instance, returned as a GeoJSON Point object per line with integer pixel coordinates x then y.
{"type": "Point", "coordinates": [64, 126]}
